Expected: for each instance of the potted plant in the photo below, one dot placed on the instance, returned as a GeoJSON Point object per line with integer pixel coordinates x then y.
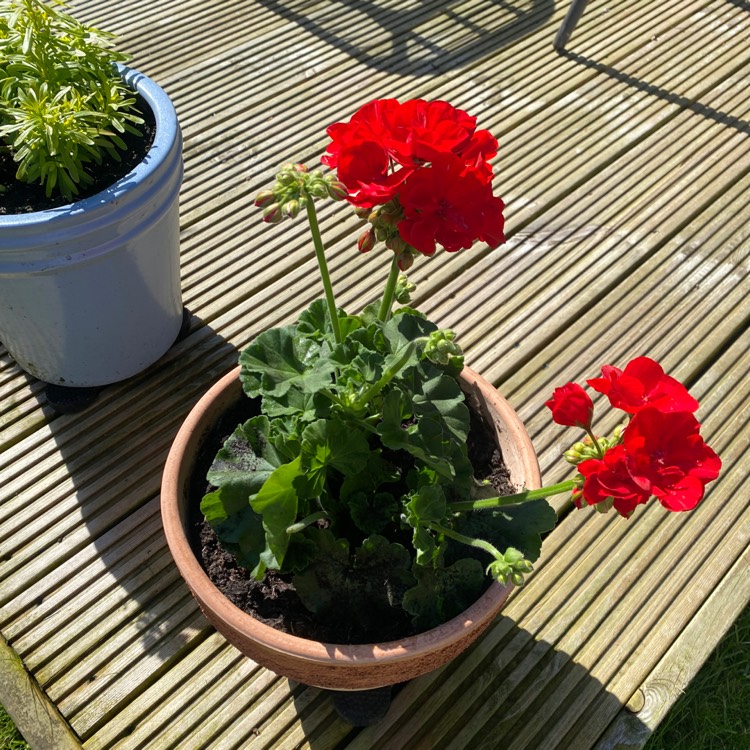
{"type": "Point", "coordinates": [90, 171]}
{"type": "Point", "coordinates": [358, 473]}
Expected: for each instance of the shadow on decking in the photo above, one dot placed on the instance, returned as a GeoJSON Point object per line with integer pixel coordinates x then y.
{"type": "Point", "coordinates": [413, 34]}
{"type": "Point", "coordinates": [685, 103]}
{"type": "Point", "coordinates": [488, 692]}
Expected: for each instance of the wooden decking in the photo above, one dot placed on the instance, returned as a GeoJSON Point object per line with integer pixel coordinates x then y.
{"type": "Point", "coordinates": [625, 165]}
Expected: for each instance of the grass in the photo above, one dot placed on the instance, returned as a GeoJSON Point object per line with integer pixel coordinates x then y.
{"type": "Point", "coordinates": [10, 738]}
{"type": "Point", "coordinates": [713, 714]}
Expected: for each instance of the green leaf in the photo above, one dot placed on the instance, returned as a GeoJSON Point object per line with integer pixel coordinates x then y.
{"type": "Point", "coordinates": [427, 504]}
{"type": "Point", "coordinates": [443, 593]}
{"type": "Point", "coordinates": [329, 444]}
{"type": "Point", "coordinates": [406, 327]}
{"type": "Point", "coordinates": [372, 513]}
{"type": "Point", "coordinates": [279, 359]}
{"type": "Point", "coordinates": [315, 321]}
{"type": "Point", "coordinates": [520, 526]}
{"type": "Point", "coordinates": [441, 394]}
{"type": "Point", "coordinates": [246, 459]}
{"type": "Point", "coordinates": [244, 536]}
{"type": "Point", "coordinates": [375, 579]}
{"type": "Point", "coordinates": [277, 502]}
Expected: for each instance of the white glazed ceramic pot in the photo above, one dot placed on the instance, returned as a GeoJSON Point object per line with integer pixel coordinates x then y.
{"type": "Point", "coordinates": [90, 291]}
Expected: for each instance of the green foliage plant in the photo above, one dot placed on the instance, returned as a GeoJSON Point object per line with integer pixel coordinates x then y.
{"type": "Point", "coordinates": [63, 105]}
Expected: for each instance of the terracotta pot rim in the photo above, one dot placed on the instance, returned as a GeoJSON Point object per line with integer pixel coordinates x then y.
{"type": "Point", "coordinates": [356, 655]}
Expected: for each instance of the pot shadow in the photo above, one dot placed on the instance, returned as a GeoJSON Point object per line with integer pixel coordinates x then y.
{"type": "Point", "coordinates": [509, 687]}
{"type": "Point", "coordinates": [108, 547]}
{"type": "Point", "coordinates": [408, 47]}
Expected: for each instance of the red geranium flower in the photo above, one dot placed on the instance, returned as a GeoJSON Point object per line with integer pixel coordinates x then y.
{"type": "Point", "coordinates": [571, 406]}
{"type": "Point", "coordinates": [643, 383]}
{"type": "Point", "coordinates": [449, 204]}
{"type": "Point", "coordinates": [423, 130]}
{"type": "Point", "coordinates": [385, 142]}
{"type": "Point", "coordinates": [360, 151]}
{"type": "Point", "coordinates": [667, 457]}
{"type": "Point", "coordinates": [609, 477]}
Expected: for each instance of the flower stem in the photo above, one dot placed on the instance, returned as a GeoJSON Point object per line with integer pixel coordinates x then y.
{"type": "Point", "coordinates": [403, 356]}
{"type": "Point", "coordinates": [295, 528]}
{"type": "Point", "coordinates": [470, 541]}
{"type": "Point", "coordinates": [521, 497]}
{"type": "Point", "coordinates": [312, 217]}
{"type": "Point", "coordinates": [595, 442]}
{"type": "Point", "coordinates": [390, 290]}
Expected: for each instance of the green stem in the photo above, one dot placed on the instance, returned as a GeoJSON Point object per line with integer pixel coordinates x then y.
{"type": "Point", "coordinates": [521, 497]}
{"type": "Point", "coordinates": [390, 290]}
{"type": "Point", "coordinates": [596, 443]}
{"type": "Point", "coordinates": [404, 354]}
{"type": "Point", "coordinates": [470, 541]}
{"type": "Point", "coordinates": [312, 217]}
{"type": "Point", "coordinates": [295, 528]}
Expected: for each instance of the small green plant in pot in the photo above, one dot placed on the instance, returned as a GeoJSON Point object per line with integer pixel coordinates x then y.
{"type": "Point", "coordinates": [355, 482]}
{"type": "Point", "coordinates": [64, 107]}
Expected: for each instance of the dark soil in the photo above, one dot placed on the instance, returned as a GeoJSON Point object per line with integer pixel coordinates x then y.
{"type": "Point", "coordinates": [22, 197]}
{"type": "Point", "coordinates": [273, 600]}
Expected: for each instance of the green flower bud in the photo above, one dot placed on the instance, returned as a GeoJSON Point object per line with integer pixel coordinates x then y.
{"type": "Point", "coordinates": [317, 189]}
{"type": "Point", "coordinates": [286, 179]}
{"type": "Point", "coordinates": [265, 198]}
{"type": "Point", "coordinates": [272, 214]}
{"type": "Point", "coordinates": [441, 350]}
{"type": "Point", "coordinates": [403, 289]}
{"type": "Point", "coordinates": [291, 208]}
{"type": "Point", "coordinates": [513, 556]}
{"type": "Point", "coordinates": [517, 579]}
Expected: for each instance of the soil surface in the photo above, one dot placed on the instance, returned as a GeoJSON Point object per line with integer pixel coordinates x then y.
{"type": "Point", "coordinates": [273, 600]}
{"type": "Point", "coordinates": [21, 197]}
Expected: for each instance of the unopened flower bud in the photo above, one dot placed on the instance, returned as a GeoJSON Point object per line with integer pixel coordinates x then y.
{"type": "Point", "coordinates": [299, 167]}
{"type": "Point", "coordinates": [513, 556]}
{"type": "Point", "coordinates": [366, 241]}
{"type": "Point", "coordinates": [286, 179]}
{"type": "Point", "coordinates": [272, 214]}
{"type": "Point", "coordinates": [517, 578]}
{"type": "Point", "coordinates": [404, 288]}
{"type": "Point", "coordinates": [396, 243]}
{"type": "Point", "coordinates": [361, 213]}
{"type": "Point", "coordinates": [265, 198]}
{"type": "Point", "coordinates": [337, 190]}
{"type": "Point", "coordinates": [291, 208]}
{"type": "Point", "coordinates": [405, 260]}
{"type": "Point", "coordinates": [317, 189]}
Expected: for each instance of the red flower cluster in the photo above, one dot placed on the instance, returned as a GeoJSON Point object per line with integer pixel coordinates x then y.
{"type": "Point", "coordinates": [430, 160]}
{"type": "Point", "coordinates": [661, 452]}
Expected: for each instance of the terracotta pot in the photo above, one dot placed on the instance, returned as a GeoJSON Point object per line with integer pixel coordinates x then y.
{"type": "Point", "coordinates": [326, 665]}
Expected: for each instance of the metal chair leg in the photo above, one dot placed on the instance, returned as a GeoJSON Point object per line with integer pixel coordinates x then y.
{"type": "Point", "coordinates": [571, 19]}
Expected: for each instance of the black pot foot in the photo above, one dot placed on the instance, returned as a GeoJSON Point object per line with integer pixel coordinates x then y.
{"type": "Point", "coordinates": [185, 327]}
{"type": "Point", "coordinates": [362, 708]}
{"type": "Point", "coordinates": [66, 400]}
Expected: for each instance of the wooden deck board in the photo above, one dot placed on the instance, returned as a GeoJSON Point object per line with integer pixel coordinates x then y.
{"type": "Point", "coordinates": [625, 166]}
